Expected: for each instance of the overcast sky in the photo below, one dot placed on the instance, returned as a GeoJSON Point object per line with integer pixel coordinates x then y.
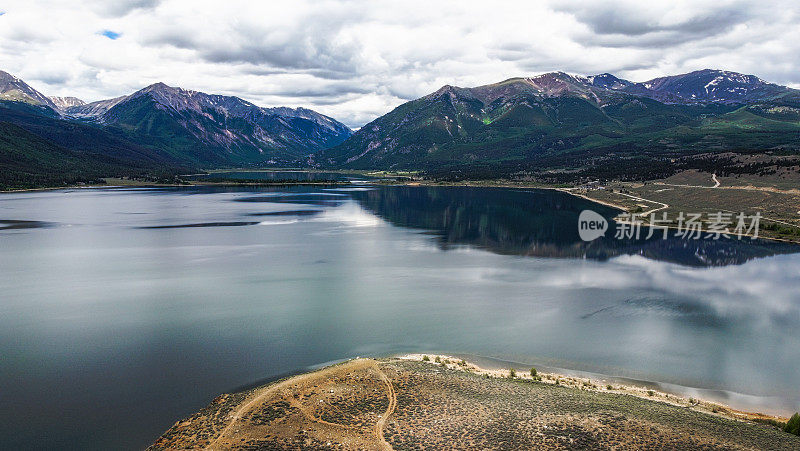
{"type": "Point", "coordinates": [356, 60]}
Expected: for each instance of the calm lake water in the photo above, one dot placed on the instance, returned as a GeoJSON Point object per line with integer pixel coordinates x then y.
{"type": "Point", "coordinates": [124, 310]}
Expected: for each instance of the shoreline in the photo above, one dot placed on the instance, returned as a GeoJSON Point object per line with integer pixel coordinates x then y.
{"type": "Point", "coordinates": [411, 401]}
{"type": "Point", "coordinates": [737, 401]}
{"type": "Point", "coordinates": [485, 184]}
{"type": "Point", "coordinates": [172, 185]}
{"type": "Point", "coordinates": [599, 383]}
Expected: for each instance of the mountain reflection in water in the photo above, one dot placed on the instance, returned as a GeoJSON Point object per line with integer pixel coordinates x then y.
{"type": "Point", "coordinates": [542, 223]}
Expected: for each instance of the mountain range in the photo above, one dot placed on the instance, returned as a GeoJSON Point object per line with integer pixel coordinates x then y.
{"type": "Point", "coordinates": [229, 129]}
{"type": "Point", "coordinates": [597, 126]}
{"type": "Point", "coordinates": [557, 125]}
{"type": "Point", "coordinates": [173, 128]}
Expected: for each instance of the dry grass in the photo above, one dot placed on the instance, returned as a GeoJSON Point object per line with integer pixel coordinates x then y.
{"type": "Point", "coordinates": [453, 405]}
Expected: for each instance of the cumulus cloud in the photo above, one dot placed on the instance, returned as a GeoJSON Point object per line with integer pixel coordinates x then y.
{"type": "Point", "coordinates": [358, 59]}
{"type": "Point", "coordinates": [120, 8]}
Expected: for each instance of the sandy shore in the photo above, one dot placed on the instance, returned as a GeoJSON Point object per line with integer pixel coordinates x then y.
{"type": "Point", "coordinates": [597, 385]}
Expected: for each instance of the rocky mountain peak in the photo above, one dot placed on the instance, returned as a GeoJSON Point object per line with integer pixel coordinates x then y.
{"type": "Point", "coordinates": [712, 85]}
{"type": "Point", "coordinates": [451, 93]}
{"type": "Point", "coordinates": [14, 89]}
{"type": "Point", "coordinates": [168, 97]}
{"type": "Point", "coordinates": [66, 102]}
{"type": "Point", "coordinates": [608, 81]}
{"type": "Point", "coordinates": [559, 83]}
{"type": "Point", "coordinates": [5, 77]}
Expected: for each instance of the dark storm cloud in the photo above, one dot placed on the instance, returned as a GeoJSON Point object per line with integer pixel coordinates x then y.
{"type": "Point", "coordinates": [518, 52]}
{"type": "Point", "coordinates": [322, 91]}
{"type": "Point", "coordinates": [173, 37]}
{"type": "Point", "coordinates": [53, 78]}
{"type": "Point", "coordinates": [307, 54]}
{"type": "Point", "coordinates": [632, 26]}
{"type": "Point", "coordinates": [309, 45]}
{"type": "Point", "coordinates": [331, 74]}
{"type": "Point", "coordinates": [322, 74]}
{"type": "Point", "coordinates": [629, 23]}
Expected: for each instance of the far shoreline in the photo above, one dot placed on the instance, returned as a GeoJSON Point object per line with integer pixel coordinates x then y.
{"type": "Point", "coordinates": [130, 183]}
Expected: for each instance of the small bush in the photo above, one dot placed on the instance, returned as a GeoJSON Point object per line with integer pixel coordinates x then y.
{"type": "Point", "coordinates": [511, 373]}
{"type": "Point", "coordinates": [533, 372]}
{"type": "Point", "coordinates": [650, 392]}
{"type": "Point", "coordinates": [609, 387]}
{"type": "Point", "coordinates": [438, 360]}
{"type": "Point", "coordinates": [426, 358]}
{"type": "Point", "coordinates": [793, 425]}
{"type": "Point", "coordinates": [463, 363]}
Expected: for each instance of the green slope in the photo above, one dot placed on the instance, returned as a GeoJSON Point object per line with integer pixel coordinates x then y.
{"type": "Point", "coordinates": [28, 161]}
{"type": "Point", "coordinates": [38, 150]}
{"type": "Point", "coordinates": [516, 127]}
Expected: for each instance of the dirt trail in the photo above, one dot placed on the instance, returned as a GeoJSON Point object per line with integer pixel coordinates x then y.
{"type": "Point", "coordinates": [389, 410]}
{"type": "Point", "coordinates": [717, 185]}
{"type": "Point", "coordinates": [310, 415]}
{"type": "Point", "coordinates": [713, 179]}
{"type": "Point", "coordinates": [260, 396]}
{"type": "Point", "coordinates": [648, 212]}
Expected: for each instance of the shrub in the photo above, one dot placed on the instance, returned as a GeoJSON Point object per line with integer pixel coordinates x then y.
{"type": "Point", "coordinates": [463, 363]}
{"type": "Point", "coordinates": [793, 425]}
{"type": "Point", "coordinates": [533, 372]}
{"type": "Point", "coordinates": [426, 358]}
{"type": "Point", "coordinates": [609, 387]}
{"type": "Point", "coordinates": [511, 373]}
{"type": "Point", "coordinates": [650, 392]}
{"type": "Point", "coordinates": [438, 360]}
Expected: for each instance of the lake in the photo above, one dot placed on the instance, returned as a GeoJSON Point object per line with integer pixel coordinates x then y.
{"type": "Point", "coordinates": [126, 309]}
